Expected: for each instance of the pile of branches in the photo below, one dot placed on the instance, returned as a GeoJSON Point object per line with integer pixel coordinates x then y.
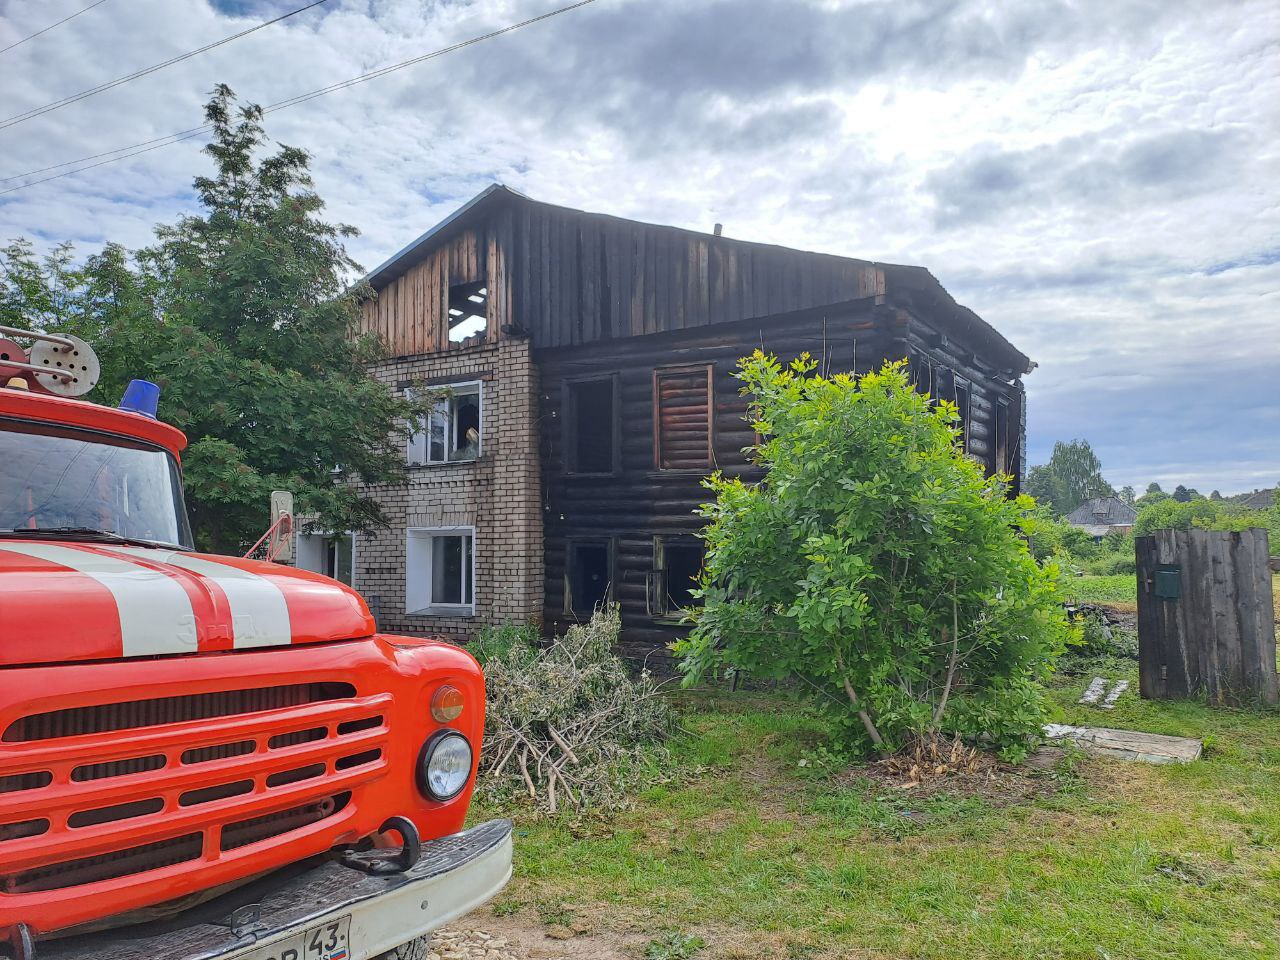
{"type": "Point", "coordinates": [568, 726]}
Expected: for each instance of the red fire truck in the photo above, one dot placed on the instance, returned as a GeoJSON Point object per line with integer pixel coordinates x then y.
{"type": "Point", "coordinates": [205, 756]}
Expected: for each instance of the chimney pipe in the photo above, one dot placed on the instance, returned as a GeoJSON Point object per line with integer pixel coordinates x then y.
{"type": "Point", "coordinates": [719, 227]}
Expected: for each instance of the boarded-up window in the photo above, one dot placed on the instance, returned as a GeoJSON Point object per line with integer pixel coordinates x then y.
{"type": "Point", "coordinates": [590, 426]}
{"type": "Point", "coordinates": [682, 413]}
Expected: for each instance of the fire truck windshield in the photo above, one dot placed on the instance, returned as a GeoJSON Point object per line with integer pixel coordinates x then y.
{"type": "Point", "coordinates": [67, 482]}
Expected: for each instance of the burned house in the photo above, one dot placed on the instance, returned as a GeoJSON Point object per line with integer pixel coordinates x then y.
{"type": "Point", "coordinates": [585, 364]}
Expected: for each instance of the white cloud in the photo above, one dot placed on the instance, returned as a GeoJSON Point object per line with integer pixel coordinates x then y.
{"type": "Point", "coordinates": [1097, 179]}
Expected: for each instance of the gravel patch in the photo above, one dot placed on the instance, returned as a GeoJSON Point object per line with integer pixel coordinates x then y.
{"type": "Point", "coordinates": [470, 945]}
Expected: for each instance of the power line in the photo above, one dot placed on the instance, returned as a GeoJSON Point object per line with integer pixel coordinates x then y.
{"type": "Point", "coordinates": [92, 91]}
{"type": "Point", "coordinates": [147, 146]}
{"type": "Point", "coordinates": [17, 43]}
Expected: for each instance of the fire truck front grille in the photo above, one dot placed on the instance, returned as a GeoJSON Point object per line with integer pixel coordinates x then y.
{"type": "Point", "coordinates": [117, 790]}
{"type": "Point", "coordinates": [107, 717]}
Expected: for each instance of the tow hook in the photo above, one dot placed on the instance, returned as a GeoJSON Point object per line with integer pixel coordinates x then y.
{"type": "Point", "coordinates": [383, 863]}
{"type": "Point", "coordinates": [22, 943]}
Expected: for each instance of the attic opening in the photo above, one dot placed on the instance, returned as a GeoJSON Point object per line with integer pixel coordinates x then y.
{"type": "Point", "coordinates": [468, 308]}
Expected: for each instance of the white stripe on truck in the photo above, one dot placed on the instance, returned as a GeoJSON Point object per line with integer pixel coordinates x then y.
{"type": "Point", "coordinates": [259, 615]}
{"type": "Point", "coordinates": [155, 612]}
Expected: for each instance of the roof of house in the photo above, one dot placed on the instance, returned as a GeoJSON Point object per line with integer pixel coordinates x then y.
{"type": "Point", "coordinates": [915, 282]}
{"type": "Point", "coordinates": [1103, 512]}
{"type": "Point", "coordinates": [1258, 500]}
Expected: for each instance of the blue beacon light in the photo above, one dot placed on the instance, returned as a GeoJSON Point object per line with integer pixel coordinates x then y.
{"type": "Point", "coordinates": [141, 396]}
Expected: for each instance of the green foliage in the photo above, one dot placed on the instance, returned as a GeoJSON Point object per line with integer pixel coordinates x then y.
{"type": "Point", "coordinates": [876, 563]}
{"type": "Point", "coordinates": [1072, 476]}
{"type": "Point", "coordinates": [1116, 590]}
{"type": "Point", "coordinates": [674, 946]}
{"type": "Point", "coordinates": [245, 316]}
{"type": "Point", "coordinates": [494, 642]}
{"type": "Point", "coordinates": [1208, 514]}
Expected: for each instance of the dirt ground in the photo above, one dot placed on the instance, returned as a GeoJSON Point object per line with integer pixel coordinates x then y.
{"type": "Point", "coordinates": [482, 935]}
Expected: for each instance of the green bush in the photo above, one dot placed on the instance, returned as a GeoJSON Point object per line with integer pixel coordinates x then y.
{"type": "Point", "coordinates": [876, 563]}
{"type": "Point", "coordinates": [495, 642]}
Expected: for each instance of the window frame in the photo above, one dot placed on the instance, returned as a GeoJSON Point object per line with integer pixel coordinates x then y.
{"type": "Point", "coordinates": [328, 535]}
{"type": "Point", "coordinates": [657, 592]}
{"type": "Point", "coordinates": [569, 431]}
{"type": "Point", "coordinates": [422, 435]}
{"type": "Point", "coordinates": [961, 384]}
{"type": "Point", "coordinates": [431, 607]}
{"type": "Point", "coordinates": [676, 370]}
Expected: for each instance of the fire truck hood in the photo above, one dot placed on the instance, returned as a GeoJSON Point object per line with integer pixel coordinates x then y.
{"type": "Point", "coordinates": [62, 602]}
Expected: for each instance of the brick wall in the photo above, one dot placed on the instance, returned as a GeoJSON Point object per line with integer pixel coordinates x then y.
{"type": "Point", "coordinates": [498, 494]}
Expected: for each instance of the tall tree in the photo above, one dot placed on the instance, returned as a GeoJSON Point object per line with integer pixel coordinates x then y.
{"type": "Point", "coordinates": [1128, 494]}
{"type": "Point", "coordinates": [1072, 476]}
{"type": "Point", "coordinates": [245, 314]}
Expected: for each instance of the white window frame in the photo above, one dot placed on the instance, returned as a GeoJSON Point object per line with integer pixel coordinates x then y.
{"type": "Point", "coordinates": [418, 447]}
{"type": "Point", "coordinates": [418, 572]}
{"type": "Point", "coordinates": [322, 535]}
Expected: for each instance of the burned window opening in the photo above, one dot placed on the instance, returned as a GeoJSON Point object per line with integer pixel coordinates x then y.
{"type": "Point", "coordinates": [963, 408]}
{"type": "Point", "coordinates": [677, 565]}
{"type": "Point", "coordinates": [468, 310]}
{"type": "Point", "coordinates": [1000, 449]}
{"type": "Point", "coordinates": [589, 576]}
{"type": "Point", "coordinates": [591, 434]}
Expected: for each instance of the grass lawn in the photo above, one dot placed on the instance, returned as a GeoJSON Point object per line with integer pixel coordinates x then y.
{"type": "Point", "coordinates": [1119, 590]}
{"type": "Point", "coordinates": [761, 857]}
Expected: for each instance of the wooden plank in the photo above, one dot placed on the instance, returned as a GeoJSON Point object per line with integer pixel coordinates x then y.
{"type": "Point", "coordinates": [1128, 744]}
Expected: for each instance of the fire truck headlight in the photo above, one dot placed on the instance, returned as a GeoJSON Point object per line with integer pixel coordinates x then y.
{"type": "Point", "coordinates": [445, 765]}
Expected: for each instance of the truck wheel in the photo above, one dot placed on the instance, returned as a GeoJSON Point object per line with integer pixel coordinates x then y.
{"type": "Point", "coordinates": [413, 950]}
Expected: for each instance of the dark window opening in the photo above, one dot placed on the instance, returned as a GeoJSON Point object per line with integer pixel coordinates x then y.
{"type": "Point", "coordinates": [467, 308]}
{"type": "Point", "coordinates": [589, 577]}
{"type": "Point", "coordinates": [1001, 446]}
{"type": "Point", "coordinates": [962, 407]}
{"type": "Point", "coordinates": [677, 566]}
{"type": "Point", "coordinates": [682, 412]}
{"type": "Point", "coordinates": [922, 375]}
{"type": "Point", "coordinates": [591, 443]}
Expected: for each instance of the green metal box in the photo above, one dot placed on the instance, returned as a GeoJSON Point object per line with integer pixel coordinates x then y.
{"type": "Point", "coordinates": [1169, 583]}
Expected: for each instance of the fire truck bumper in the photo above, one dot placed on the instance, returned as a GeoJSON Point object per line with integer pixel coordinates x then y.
{"type": "Point", "coordinates": [329, 912]}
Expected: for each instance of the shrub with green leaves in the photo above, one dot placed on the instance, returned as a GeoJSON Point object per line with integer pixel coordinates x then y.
{"type": "Point", "coordinates": [566, 725]}
{"type": "Point", "coordinates": [877, 564]}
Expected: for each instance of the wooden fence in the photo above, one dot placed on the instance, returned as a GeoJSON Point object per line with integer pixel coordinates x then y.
{"type": "Point", "coordinates": [1205, 617]}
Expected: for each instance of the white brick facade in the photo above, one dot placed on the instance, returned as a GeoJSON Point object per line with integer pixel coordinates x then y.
{"type": "Point", "coordinates": [498, 494]}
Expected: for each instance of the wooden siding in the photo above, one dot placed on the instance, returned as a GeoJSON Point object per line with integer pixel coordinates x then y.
{"type": "Point", "coordinates": [640, 501]}
{"type": "Point", "coordinates": [410, 314]}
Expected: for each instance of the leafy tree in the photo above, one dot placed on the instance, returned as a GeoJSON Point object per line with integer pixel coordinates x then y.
{"type": "Point", "coordinates": [1128, 494]}
{"type": "Point", "coordinates": [1182, 494]}
{"type": "Point", "coordinates": [1215, 495]}
{"type": "Point", "coordinates": [1154, 487]}
{"type": "Point", "coordinates": [244, 314]}
{"type": "Point", "coordinates": [876, 563]}
{"type": "Point", "coordinates": [1072, 476]}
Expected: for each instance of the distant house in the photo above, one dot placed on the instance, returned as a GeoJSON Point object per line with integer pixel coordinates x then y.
{"type": "Point", "coordinates": [1258, 500]}
{"type": "Point", "coordinates": [1101, 515]}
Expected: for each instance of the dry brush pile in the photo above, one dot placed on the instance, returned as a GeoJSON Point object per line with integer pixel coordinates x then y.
{"type": "Point", "coordinates": [567, 725]}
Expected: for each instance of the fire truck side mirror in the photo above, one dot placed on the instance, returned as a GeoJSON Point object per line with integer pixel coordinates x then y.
{"type": "Point", "coordinates": [281, 506]}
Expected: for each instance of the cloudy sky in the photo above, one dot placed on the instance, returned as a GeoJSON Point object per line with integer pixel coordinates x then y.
{"type": "Point", "coordinates": [1099, 179]}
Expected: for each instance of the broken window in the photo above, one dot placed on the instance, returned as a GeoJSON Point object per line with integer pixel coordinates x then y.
{"type": "Point", "coordinates": [682, 414]}
{"type": "Point", "coordinates": [452, 430]}
{"type": "Point", "coordinates": [439, 570]}
{"type": "Point", "coordinates": [922, 374]}
{"type": "Point", "coordinates": [468, 307]}
{"type": "Point", "coordinates": [588, 576]}
{"type": "Point", "coordinates": [677, 564]}
{"type": "Point", "coordinates": [590, 426]}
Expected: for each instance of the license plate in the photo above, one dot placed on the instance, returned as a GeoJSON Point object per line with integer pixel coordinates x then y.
{"type": "Point", "coordinates": [324, 941]}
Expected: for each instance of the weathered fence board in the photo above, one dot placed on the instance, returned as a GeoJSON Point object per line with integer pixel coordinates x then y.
{"type": "Point", "coordinates": [1205, 616]}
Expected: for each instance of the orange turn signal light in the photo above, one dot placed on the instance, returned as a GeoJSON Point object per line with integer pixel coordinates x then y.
{"type": "Point", "coordinates": [446, 704]}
